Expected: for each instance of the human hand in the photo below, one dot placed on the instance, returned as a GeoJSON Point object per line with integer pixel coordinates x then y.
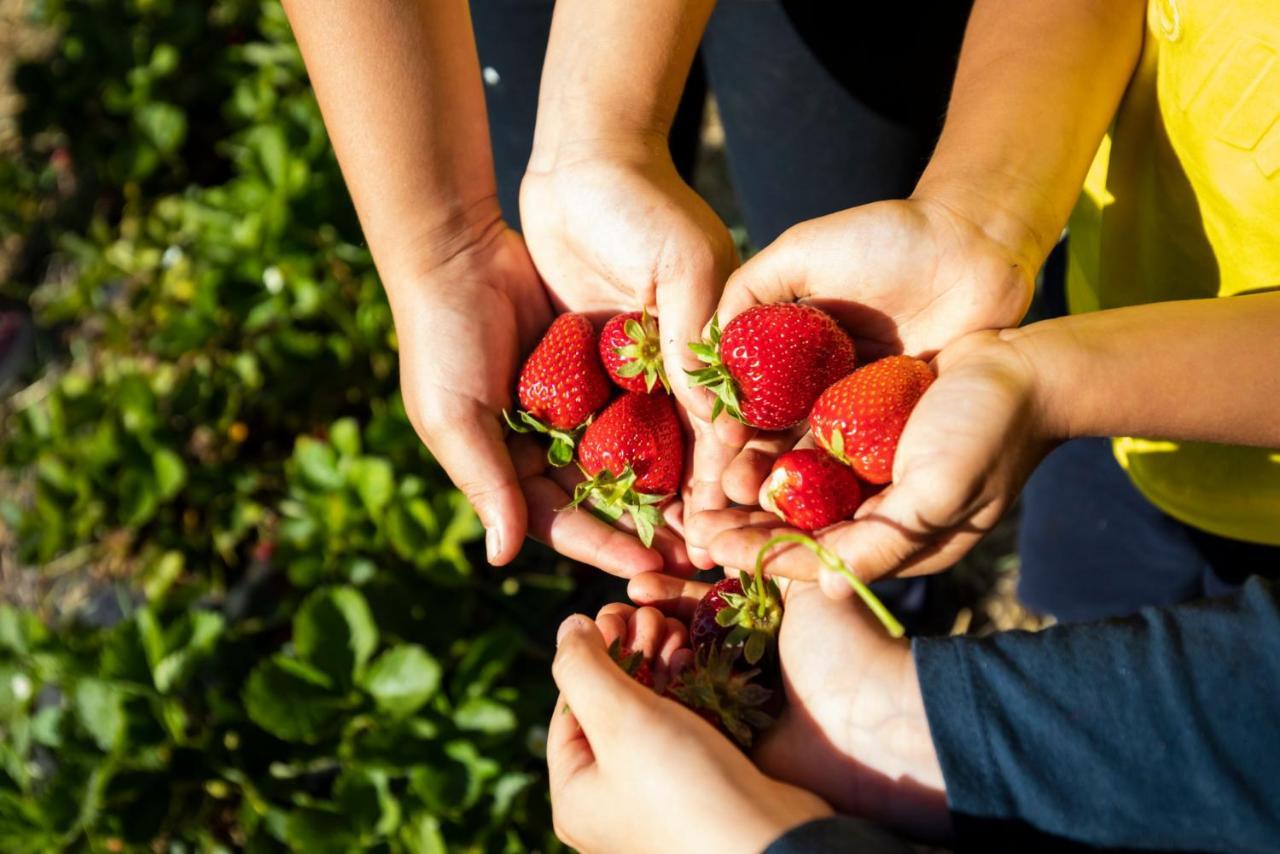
{"type": "Point", "coordinates": [457, 370]}
{"type": "Point", "coordinates": [613, 228]}
{"type": "Point", "coordinates": [854, 729]}
{"type": "Point", "coordinates": [901, 276]}
{"type": "Point", "coordinates": [633, 771]}
{"type": "Point", "coordinates": [967, 449]}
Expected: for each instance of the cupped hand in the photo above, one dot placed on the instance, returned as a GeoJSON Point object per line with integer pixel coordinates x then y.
{"type": "Point", "coordinates": [967, 449]}
{"type": "Point", "coordinates": [612, 228]}
{"type": "Point", "coordinates": [633, 771]}
{"type": "Point", "coordinates": [463, 326]}
{"type": "Point", "coordinates": [854, 729]}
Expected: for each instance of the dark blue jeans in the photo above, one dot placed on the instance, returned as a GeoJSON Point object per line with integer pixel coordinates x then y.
{"type": "Point", "coordinates": [824, 105]}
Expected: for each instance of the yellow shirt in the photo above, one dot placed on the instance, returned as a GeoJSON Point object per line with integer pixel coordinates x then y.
{"type": "Point", "coordinates": [1183, 202]}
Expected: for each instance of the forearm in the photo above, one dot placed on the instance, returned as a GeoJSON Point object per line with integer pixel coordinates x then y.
{"type": "Point", "coordinates": [1037, 84]}
{"type": "Point", "coordinates": [1155, 731]}
{"type": "Point", "coordinates": [1197, 370]}
{"type": "Point", "coordinates": [614, 73]}
{"type": "Point", "coordinates": [399, 86]}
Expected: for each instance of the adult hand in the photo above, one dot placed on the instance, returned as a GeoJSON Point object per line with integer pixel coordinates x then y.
{"type": "Point", "coordinates": [968, 448]}
{"type": "Point", "coordinates": [633, 771]}
{"type": "Point", "coordinates": [612, 228]}
{"type": "Point", "coordinates": [854, 730]}
{"type": "Point", "coordinates": [457, 370]}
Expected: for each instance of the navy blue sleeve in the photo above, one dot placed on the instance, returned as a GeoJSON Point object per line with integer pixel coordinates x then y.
{"type": "Point", "coordinates": [838, 834]}
{"type": "Point", "coordinates": [1159, 731]}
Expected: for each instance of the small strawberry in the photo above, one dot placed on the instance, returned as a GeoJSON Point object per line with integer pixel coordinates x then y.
{"type": "Point", "coordinates": [631, 352]}
{"type": "Point", "coordinates": [809, 489]}
{"type": "Point", "coordinates": [561, 385]}
{"type": "Point", "coordinates": [738, 613]}
{"type": "Point", "coordinates": [726, 696]}
{"type": "Point", "coordinates": [771, 363]}
{"type": "Point", "coordinates": [632, 663]}
{"type": "Point", "coordinates": [860, 418]}
{"type": "Point", "coordinates": [633, 457]}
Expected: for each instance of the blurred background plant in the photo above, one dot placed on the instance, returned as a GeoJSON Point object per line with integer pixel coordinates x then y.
{"type": "Point", "coordinates": [241, 608]}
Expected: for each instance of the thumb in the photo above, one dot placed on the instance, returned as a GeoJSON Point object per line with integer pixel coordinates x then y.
{"type": "Point", "coordinates": [778, 273]}
{"type": "Point", "coordinates": [469, 445]}
{"type": "Point", "coordinates": [603, 698]}
{"type": "Point", "coordinates": [905, 530]}
{"type": "Point", "coordinates": [684, 309]}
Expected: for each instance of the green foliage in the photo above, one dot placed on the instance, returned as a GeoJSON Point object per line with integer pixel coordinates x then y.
{"type": "Point", "coordinates": [300, 649]}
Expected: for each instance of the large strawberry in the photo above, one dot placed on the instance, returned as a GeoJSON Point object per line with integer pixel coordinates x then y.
{"type": "Point", "coordinates": [561, 385]}
{"type": "Point", "coordinates": [633, 457]}
{"type": "Point", "coordinates": [809, 489]}
{"type": "Point", "coordinates": [631, 352]}
{"type": "Point", "coordinates": [860, 418]}
{"type": "Point", "coordinates": [771, 362]}
{"type": "Point", "coordinates": [742, 612]}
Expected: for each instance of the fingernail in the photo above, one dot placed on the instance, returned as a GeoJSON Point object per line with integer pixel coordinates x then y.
{"type": "Point", "coordinates": [492, 543]}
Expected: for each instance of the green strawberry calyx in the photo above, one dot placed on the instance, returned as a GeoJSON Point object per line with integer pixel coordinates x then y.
{"type": "Point", "coordinates": [644, 354]}
{"type": "Point", "coordinates": [612, 496]}
{"type": "Point", "coordinates": [836, 565]}
{"type": "Point", "coordinates": [713, 684]}
{"type": "Point", "coordinates": [754, 614]}
{"type": "Point", "coordinates": [629, 663]}
{"type": "Point", "coordinates": [833, 445]}
{"type": "Point", "coordinates": [716, 376]}
{"type": "Point", "coordinates": [560, 452]}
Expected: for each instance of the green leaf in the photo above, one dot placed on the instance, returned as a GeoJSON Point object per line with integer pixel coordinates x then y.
{"type": "Point", "coordinates": [402, 679]}
{"type": "Point", "coordinates": [269, 142]}
{"type": "Point", "coordinates": [289, 706]}
{"type": "Point", "coordinates": [334, 631]}
{"type": "Point", "coordinates": [170, 472]}
{"type": "Point", "coordinates": [164, 124]}
{"type": "Point", "coordinates": [421, 835]}
{"type": "Point", "coordinates": [366, 800]}
{"type": "Point", "coordinates": [99, 706]}
{"type": "Point", "coordinates": [138, 498]}
{"type": "Point", "coordinates": [481, 714]}
{"type": "Point", "coordinates": [374, 481]}
{"type": "Point", "coordinates": [317, 464]}
{"type": "Point", "coordinates": [191, 640]}
{"type": "Point", "coordinates": [319, 831]}
{"type": "Point", "coordinates": [344, 435]}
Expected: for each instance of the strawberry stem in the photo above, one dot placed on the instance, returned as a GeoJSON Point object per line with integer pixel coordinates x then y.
{"type": "Point", "coordinates": [835, 564]}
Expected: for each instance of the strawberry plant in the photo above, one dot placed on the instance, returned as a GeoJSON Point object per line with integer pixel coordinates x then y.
{"type": "Point", "coordinates": [243, 609]}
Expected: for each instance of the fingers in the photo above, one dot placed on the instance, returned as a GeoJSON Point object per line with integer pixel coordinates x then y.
{"type": "Point", "coordinates": [703, 492]}
{"type": "Point", "coordinates": [744, 477]}
{"type": "Point", "coordinates": [568, 751]}
{"type": "Point", "coordinates": [469, 446]}
{"type": "Point", "coordinates": [603, 698]}
{"type": "Point", "coordinates": [580, 536]}
{"type": "Point", "coordinates": [685, 305]}
{"type": "Point", "coordinates": [776, 274]}
{"type": "Point", "coordinates": [675, 597]}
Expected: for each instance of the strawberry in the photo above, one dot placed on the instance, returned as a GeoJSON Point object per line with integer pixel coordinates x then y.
{"type": "Point", "coordinates": [633, 457]}
{"type": "Point", "coordinates": [726, 696]}
{"type": "Point", "coordinates": [738, 613]}
{"type": "Point", "coordinates": [860, 418]}
{"type": "Point", "coordinates": [561, 385]}
{"type": "Point", "coordinates": [633, 663]}
{"type": "Point", "coordinates": [809, 489]}
{"type": "Point", "coordinates": [631, 352]}
{"type": "Point", "coordinates": [771, 363]}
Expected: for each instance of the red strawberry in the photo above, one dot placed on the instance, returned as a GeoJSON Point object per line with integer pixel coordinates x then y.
{"type": "Point", "coordinates": [633, 663]}
{"type": "Point", "coordinates": [737, 612]}
{"type": "Point", "coordinates": [772, 362]}
{"type": "Point", "coordinates": [860, 418]}
{"type": "Point", "coordinates": [561, 385]}
{"type": "Point", "coordinates": [633, 457]}
{"type": "Point", "coordinates": [725, 695]}
{"type": "Point", "coordinates": [631, 352]}
{"type": "Point", "coordinates": [809, 489]}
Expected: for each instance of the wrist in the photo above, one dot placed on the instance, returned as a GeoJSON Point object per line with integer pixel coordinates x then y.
{"type": "Point", "coordinates": [433, 249]}
{"type": "Point", "coordinates": [1005, 223]}
{"type": "Point", "coordinates": [1043, 352]}
{"type": "Point", "coordinates": [561, 146]}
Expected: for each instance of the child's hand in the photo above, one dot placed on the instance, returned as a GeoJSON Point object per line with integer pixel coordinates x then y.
{"type": "Point", "coordinates": [854, 729]}
{"type": "Point", "coordinates": [632, 771]}
{"type": "Point", "coordinates": [967, 450]}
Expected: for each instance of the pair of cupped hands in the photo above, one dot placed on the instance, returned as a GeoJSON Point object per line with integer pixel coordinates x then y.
{"type": "Point", "coordinates": [615, 229]}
